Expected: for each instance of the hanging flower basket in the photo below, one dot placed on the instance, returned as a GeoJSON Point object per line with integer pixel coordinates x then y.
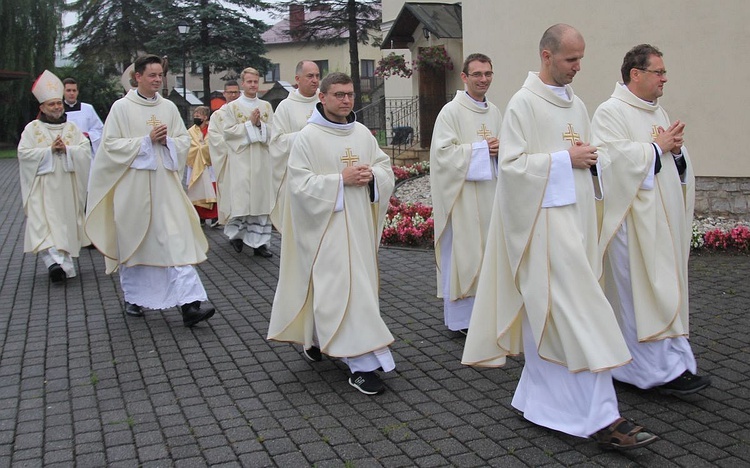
{"type": "Point", "coordinates": [433, 58]}
{"type": "Point", "coordinates": [393, 65]}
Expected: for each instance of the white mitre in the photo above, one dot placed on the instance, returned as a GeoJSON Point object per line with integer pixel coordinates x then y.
{"type": "Point", "coordinates": [46, 87]}
{"type": "Point", "coordinates": [128, 78]}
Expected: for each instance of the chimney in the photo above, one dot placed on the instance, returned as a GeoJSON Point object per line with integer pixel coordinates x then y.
{"type": "Point", "coordinates": [296, 18]}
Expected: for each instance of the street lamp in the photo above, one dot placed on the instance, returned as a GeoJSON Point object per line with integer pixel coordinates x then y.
{"type": "Point", "coordinates": [183, 29]}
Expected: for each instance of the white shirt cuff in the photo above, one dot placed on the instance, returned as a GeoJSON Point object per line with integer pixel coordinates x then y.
{"type": "Point", "coordinates": [145, 158]}
{"type": "Point", "coordinates": [561, 189]}
{"type": "Point", "coordinates": [47, 165]}
{"type": "Point", "coordinates": [256, 134]}
{"type": "Point", "coordinates": [480, 165]}
{"type": "Point", "coordinates": [340, 196]}
{"type": "Point", "coordinates": [169, 158]}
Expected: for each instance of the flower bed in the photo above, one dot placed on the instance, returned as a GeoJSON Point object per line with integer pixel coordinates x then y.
{"type": "Point", "coordinates": [737, 238]}
{"type": "Point", "coordinates": [408, 224]}
{"type": "Point", "coordinates": [404, 173]}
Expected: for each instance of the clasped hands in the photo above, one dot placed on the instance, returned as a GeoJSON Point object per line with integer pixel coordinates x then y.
{"type": "Point", "coordinates": [357, 175]}
{"type": "Point", "coordinates": [58, 146]}
{"type": "Point", "coordinates": [672, 138]}
{"type": "Point", "coordinates": [583, 155]}
{"type": "Point", "coordinates": [159, 134]}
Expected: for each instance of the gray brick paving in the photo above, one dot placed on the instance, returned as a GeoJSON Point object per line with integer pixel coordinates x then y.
{"type": "Point", "coordinates": [83, 385]}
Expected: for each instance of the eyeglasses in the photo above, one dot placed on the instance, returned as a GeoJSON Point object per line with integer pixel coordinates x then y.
{"type": "Point", "coordinates": [658, 73]}
{"type": "Point", "coordinates": [478, 75]}
{"type": "Point", "coordinates": [340, 96]}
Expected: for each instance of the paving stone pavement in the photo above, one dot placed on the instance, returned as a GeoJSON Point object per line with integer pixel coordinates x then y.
{"type": "Point", "coordinates": [83, 385]}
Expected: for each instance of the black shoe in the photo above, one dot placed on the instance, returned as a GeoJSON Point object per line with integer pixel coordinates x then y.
{"type": "Point", "coordinates": [237, 245]}
{"type": "Point", "coordinates": [192, 313]}
{"type": "Point", "coordinates": [134, 310]}
{"type": "Point", "coordinates": [312, 354]}
{"type": "Point", "coordinates": [263, 251]}
{"type": "Point", "coordinates": [464, 331]}
{"type": "Point", "coordinates": [367, 382]}
{"type": "Point", "coordinates": [213, 222]}
{"type": "Point", "coordinates": [685, 384]}
{"type": "Point", "coordinates": [90, 247]}
{"type": "Point", "coordinates": [56, 273]}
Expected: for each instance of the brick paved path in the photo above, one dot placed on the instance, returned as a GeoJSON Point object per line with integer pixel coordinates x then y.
{"type": "Point", "coordinates": [83, 385]}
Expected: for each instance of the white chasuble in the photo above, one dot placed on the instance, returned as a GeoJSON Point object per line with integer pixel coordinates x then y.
{"type": "Point", "coordinates": [143, 216]}
{"type": "Point", "coordinates": [290, 116]}
{"type": "Point", "coordinates": [52, 189]}
{"type": "Point", "coordinates": [200, 189]}
{"type": "Point", "coordinates": [218, 149]}
{"type": "Point", "coordinates": [328, 279]}
{"type": "Point", "coordinates": [466, 205]}
{"type": "Point", "coordinates": [543, 261]}
{"type": "Point", "coordinates": [659, 219]}
{"type": "Point", "coordinates": [248, 162]}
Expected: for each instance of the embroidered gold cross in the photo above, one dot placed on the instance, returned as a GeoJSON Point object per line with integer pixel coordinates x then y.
{"type": "Point", "coordinates": [571, 135]}
{"type": "Point", "coordinates": [484, 132]}
{"type": "Point", "coordinates": [655, 131]}
{"type": "Point", "coordinates": [349, 159]}
{"type": "Point", "coordinates": [153, 121]}
{"type": "Point", "coordinates": [52, 86]}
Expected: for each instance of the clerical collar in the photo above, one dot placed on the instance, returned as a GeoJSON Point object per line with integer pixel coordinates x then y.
{"type": "Point", "coordinates": [652, 103]}
{"type": "Point", "coordinates": [482, 103]}
{"type": "Point", "coordinates": [156, 95]}
{"type": "Point", "coordinates": [318, 117]}
{"type": "Point", "coordinates": [252, 100]}
{"type": "Point", "coordinates": [560, 91]}
{"type": "Point", "coordinates": [76, 106]}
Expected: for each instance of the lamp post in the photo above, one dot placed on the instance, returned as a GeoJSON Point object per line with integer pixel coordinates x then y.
{"type": "Point", "coordinates": [183, 29]}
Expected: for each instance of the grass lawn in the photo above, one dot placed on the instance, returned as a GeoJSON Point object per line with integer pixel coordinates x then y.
{"type": "Point", "coordinates": [7, 153]}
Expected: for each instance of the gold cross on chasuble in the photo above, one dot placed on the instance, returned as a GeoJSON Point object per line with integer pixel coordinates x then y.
{"type": "Point", "coordinates": [349, 159]}
{"type": "Point", "coordinates": [484, 132]}
{"type": "Point", "coordinates": [571, 135]}
{"type": "Point", "coordinates": [153, 121]}
{"type": "Point", "coordinates": [654, 131]}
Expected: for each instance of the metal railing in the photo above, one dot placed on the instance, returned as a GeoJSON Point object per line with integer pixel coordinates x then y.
{"type": "Point", "coordinates": [393, 121]}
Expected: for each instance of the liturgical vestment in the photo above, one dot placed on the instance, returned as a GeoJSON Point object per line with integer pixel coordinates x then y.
{"type": "Point", "coordinates": [200, 187]}
{"type": "Point", "coordinates": [650, 216]}
{"type": "Point", "coordinates": [138, 213]}
{"type": "Point", "coordinates": [463, 178]}
{"type": "Point", "coordinates": [218, 150]}
{"type": "Point", "coordinates": [51, 188]}
{"type": "Point", "coordinates": [290, 117]}
{"type": "Point", "coordinates": [540, 268]}
{"type": "Point", "coordinates": [328, 278]}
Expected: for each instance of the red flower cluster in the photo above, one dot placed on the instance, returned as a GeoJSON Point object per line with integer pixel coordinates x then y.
{"type": "Point", "coordinates": [738, 238]}
{"type": "Point", "coordinates": [408, 224]}
{"type": "Point", "coordinates": [410, 171]}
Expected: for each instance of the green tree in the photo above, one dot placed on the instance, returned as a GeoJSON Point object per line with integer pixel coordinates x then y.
{"type": "Point", "coordinates": [220, 39]}
{"type": "Point", "coordinates": [95, 88]}
{"type": "Point", "coordinates": [29, 30]}
{"type": "Point", "coordinates": [351, 22]}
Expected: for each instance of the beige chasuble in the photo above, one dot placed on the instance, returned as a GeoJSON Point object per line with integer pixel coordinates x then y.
{"type": "Point", "coordinates": [328, 277]}
{"type": "Point", "coordinates": [200, 189]}
{"type": "Point", "coordinates": [218, 149]}
{"type": "Point", "coordinates": [142, 216]}
{"type": "Point", "coordinates": [290, 116]}
{"type": "Point", "coordinates": [659, 219]}
{"type": "Point", "coordinates": [543, 261]}
{"type": "Point", "coordinates": [248, 163]}
{"type": "Point", "coordinates": [467, 205]}
{"type": "Point", "coordinates": [53, 199]}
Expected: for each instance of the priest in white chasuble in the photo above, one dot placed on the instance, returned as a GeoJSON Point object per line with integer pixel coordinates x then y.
{"type": "Point", "coordinates": [248, 166]}
{"type": "Point", "coordinates": [218, 150]}
{"type": "Point", "coordinates": [463, 177]}
{"type": "Point", "coordinates": [51, 154]}
{"type": "Point", "coordinates": [199, 174]}
{"type": "Point", "coordinates": [539, 286]}
{"type": "Point", "coordinates": [291, 115]}
{"type": "Point", "coordinates": [338, 186]}
{"type": "Point", "coordinates": [138, 214]}
{"type": "Point", "coordinates": [649, 194]}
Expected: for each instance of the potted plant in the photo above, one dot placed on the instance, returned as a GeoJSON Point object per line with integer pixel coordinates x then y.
{"type": "Point", "coordinates": [393, 65]}
{"type": "Point", "coordinates": [433, 57]}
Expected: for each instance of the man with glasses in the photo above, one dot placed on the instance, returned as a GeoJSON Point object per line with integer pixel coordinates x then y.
{"type": "Point", "coordinates": [539, 286]}
{"type": "Point", "coordinates": [290, 116]}
{"type": "Point", "coordinates": [248, 167]}
{"type": "Point", "coordinates": [218, 149]}
{"type": "Point", "coordinates": [649, 195]}
{"type": "Point", "coordinates": [463, 177]}
{"type": "Point", "coordinates": [338, 186]}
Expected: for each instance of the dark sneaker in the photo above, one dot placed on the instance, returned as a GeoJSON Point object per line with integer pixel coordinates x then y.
{"type": "Point", "coordinates": [367, 382]}
{"type": "Point", "coordinates": [237, 245]}
{"type": "Point", "coordinates": [134, 310]}
{"type": "Point", "coordinates": [56, 273]}
{"type": "Point", "coordinates": [312, 354]}
{"type": "Point", "coordinates": [685, 384]}
{"type": "Point", "coordinates": [623, 435]}
{"type": "Point", "coordinates": [213, 222]}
